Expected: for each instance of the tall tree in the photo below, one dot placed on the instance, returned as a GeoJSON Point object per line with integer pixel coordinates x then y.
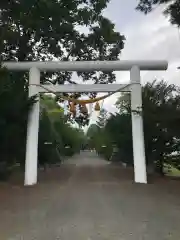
{"type": "Point", "coordinates": [48, 29]}
{"type": "Point", "coordinates": [161, 113]}
{"type": "Point", "coordinates": [62, 137]}
{"type": "Point", "coordinates": [172, 8]}
{"type": "Point", "coordinates": [102, 119]}
{"type": "Point", "coordinates": [14, 107]}
{"type": "Point", "coordinates": [52, 29]}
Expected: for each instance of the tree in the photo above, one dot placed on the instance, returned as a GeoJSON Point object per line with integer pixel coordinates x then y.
{"type": "Point", "coordinates": [103, 116]}
{"type": "Point", "coordinates": [161, 113]}
{"type": "Point", "coordinates": [91, 134]}
{"type": "Point", "coordinates": [172, 8]}
{"type": "Point", "coordinates": [64, 139]}
{"type": "Point", "coordinates": [47, 141]}
{"type": "Point", "coordinates": [99, 139]}
{"type": "Point", "coordinates": [48, 29]}
{"type": "Point", "coordinates": [119, 129]}
{"type": "Point", "coordinates": [14, 107]}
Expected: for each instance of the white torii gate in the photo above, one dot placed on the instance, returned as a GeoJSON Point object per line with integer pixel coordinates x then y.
{"type": "Point", "coordinates": [134, 67]}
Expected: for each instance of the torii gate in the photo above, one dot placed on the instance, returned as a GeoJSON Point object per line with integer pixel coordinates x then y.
{"type": "Point", "coordinates": [34, 68]}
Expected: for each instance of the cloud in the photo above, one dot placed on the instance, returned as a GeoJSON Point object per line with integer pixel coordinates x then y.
{"type": "Point", "coordinates": [149, 37]}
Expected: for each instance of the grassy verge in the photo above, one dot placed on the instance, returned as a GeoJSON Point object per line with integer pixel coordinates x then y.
{"type": "Point", "coordinates": [171, 171]}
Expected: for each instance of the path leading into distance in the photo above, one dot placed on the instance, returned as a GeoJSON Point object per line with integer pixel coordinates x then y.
{"type": "Point", "coordinates": [89, 199]}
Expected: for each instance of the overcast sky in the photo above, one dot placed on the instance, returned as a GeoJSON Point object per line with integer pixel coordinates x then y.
{"type": "Point", "coordinates": [147, 37]}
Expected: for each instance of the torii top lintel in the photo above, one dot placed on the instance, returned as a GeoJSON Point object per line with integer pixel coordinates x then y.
{"type": "Point", "coordinates": [87, 66]}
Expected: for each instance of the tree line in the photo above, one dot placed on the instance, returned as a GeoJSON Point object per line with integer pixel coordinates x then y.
{"type": "Point", "coordinates": [57, 137]}
{"type": "Point", "coordinates": [47, 30]}
{"type": "Point", "coordinates": [161, 116]}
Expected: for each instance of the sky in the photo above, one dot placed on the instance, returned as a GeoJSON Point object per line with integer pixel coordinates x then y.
{"type": "Point", "coordinates": [148, 37]}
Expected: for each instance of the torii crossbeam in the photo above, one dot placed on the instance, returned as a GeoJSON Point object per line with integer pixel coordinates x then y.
{"type": "Point", "coordinates": [134, 67]}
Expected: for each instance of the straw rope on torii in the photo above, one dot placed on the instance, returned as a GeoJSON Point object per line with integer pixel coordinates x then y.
{"type": "Point", "coordinates": [82, 102]}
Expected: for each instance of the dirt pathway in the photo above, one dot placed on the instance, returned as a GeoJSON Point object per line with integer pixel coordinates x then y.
{"type": "Point", "coordinates": [86, 199]}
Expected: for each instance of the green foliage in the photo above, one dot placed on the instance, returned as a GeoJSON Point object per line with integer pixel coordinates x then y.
{"type": "Point", "coordinates": [104, 145]}
{"type": "Point", "coordinates": [172, 8]}
{"type": "Point", "coordinates": [102, 118]}
{"type": "Point", "coordinates": [52, 29]}
{"type": "Point", "coordinates": [161, 115]}
{"type": "Point", "coordinates": [44, 29]}
{"type": "Point", "coordinates": [119, 129]}
{"type": "Point", "coordinates": [14, 107]}
{"type": "Point", "coordinates": [99, 139]}
{"type": "Point", "coordinates": [40, 31]}
{"type": "Point", "coordinates": [46, 145]}
{"type": "Point", "coordinates": [65, 140]}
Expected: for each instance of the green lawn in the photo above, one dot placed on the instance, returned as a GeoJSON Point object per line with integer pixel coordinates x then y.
{"type": "Point", "coordinates": [172, 172]}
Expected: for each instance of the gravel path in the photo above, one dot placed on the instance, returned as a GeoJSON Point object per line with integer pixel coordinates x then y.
{"type": "Point", "coordinates": [87, 199]}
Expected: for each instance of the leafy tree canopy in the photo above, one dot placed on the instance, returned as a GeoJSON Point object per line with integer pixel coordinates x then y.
{"type": "Point", "coordinates": [37, 30]}
{"type": "Point", "coordinates": [172, 8]}
{"type": "Point", "coordinates": [14, 107]}
{"type": "Point", "coordinates": [161, 116]}
{"type": "Point", "coordinates": [48, 29]}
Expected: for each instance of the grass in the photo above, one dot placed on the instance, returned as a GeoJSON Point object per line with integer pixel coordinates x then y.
{"type": "Point", "coordinates": [171, 171]}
